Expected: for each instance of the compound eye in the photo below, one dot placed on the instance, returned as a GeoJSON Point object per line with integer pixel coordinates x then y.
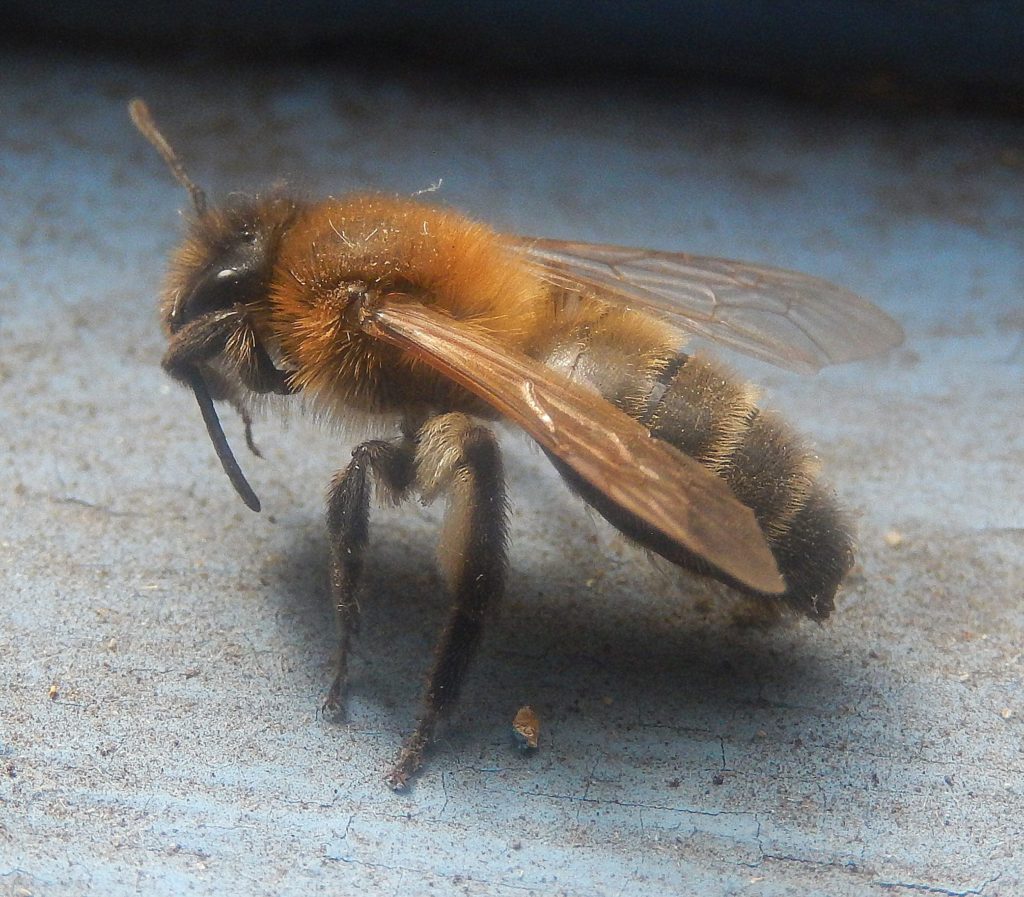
{"type": "Point", "coordinates": [237, 278]}
{"type": "Point", "coordinates": [216, 291]}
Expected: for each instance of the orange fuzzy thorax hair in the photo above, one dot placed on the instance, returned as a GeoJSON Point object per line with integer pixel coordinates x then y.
{"type": "Point", "coordinates": [439, 258]}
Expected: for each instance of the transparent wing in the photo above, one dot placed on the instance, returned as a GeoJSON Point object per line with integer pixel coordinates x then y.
{"type": "Point", "coordinates": [790, 319]}
{"type": "Point", "coordinates": [618, 456]}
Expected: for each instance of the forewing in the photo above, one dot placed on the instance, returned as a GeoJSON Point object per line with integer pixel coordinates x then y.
{"type": "Point", "coordinates": [790, 319]}
{"type": "Point", "coordinates": [668, 490]}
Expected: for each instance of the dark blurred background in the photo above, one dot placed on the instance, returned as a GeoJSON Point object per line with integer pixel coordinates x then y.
{"type": "Point", "coordinates": [937, 53]}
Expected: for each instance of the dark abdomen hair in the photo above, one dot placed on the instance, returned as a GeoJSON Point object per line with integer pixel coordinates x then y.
{"type": "Point", "coordinates": [707, 413]}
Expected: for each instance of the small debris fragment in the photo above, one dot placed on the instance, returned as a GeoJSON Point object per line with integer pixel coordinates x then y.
{"type": "Point", "coordinates": [718, 779]}
{"type": "Point", "coordinates": [1006, 713]}
{"type": "Point", "coordinates": [53, 691]}
{"type": "Point", "coordinates": [526, 729]}
{"type": "Point", "coordinates": [894, 538]}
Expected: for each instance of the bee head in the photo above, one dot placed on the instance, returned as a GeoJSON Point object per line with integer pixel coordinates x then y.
{"type": "Point", "coordinates": [220, 270]}
{"type": "Point", "coordinates": [226, 259]}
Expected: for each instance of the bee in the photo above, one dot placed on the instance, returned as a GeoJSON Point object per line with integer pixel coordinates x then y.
{"type": "Point", "coordinates": [438, 326]}
{"type": "Point", "coordinates": [526, 729]}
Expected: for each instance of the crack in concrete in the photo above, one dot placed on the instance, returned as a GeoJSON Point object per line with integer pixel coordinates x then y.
{"type": "Point", "coordinates": [935, 889]}
{"type": "Point", "coordinates": [422, 873]}
{"type": "Point", "coordinates": [444, 790]}
{"type": "Point", "coordinates": [850, 865]}
{"type": "Point", "coordinates": [16, 870]}
{"type": "Point", "coordinates": [583, 798]}
{"type": "Point", "coordinates": [636, 805]}
{"type": "Point", "coordinates": [843, 864]}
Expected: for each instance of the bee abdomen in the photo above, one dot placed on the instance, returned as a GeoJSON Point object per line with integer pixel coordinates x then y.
{"type": "Point", "coordinates": [714, 418]}
{"type": "Point", "coordinates": [709, 414]}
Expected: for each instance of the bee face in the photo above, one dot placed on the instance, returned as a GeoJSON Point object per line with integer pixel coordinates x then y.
{"type": "Point", "coordinates": [225, 261]}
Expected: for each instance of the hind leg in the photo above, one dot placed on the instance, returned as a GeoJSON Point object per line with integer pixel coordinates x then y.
{"type": "Point", "coordinates": [456, 456]}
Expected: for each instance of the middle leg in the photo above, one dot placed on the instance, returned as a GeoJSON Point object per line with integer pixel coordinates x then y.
{"type": "Point", "coordinates": [348, 521]}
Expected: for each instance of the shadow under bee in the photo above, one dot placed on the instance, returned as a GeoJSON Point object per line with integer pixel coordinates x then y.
{"type": "Point", "coordinates": [585, 656]}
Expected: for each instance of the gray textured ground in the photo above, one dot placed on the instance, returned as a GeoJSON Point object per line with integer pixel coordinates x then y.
{"type": "Point", "coordinates": [166, 650]}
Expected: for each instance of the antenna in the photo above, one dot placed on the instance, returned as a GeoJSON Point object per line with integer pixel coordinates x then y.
{"type": "Point", "coordinates": [142, 120]}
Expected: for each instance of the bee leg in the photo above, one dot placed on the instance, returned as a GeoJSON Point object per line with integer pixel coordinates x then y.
{"type": "Point", "coordinates": [461, 458]}
{"type": "Point", "coordinates": [258, 373]}
{"type": "Point", "coordinates": [227, 334]}
{"type": "Point", "coordinates": [199, 341]}
{"type": "Point", "coordinates": [348, 513]}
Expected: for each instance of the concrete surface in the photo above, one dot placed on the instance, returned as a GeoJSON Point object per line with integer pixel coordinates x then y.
{"type": "Point", "coordinates": [165, 650]}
